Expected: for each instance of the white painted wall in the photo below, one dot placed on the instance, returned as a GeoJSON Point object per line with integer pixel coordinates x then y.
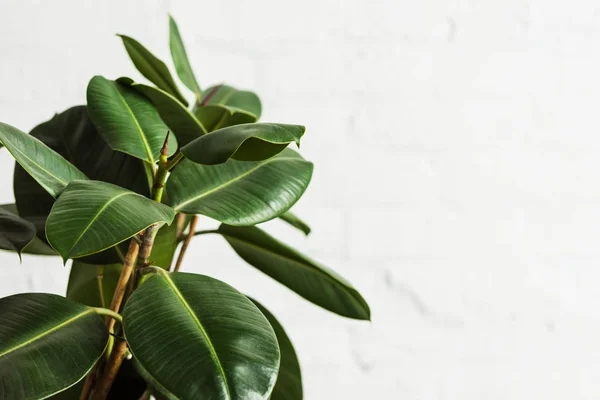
{"type": "Point", "coordinates": [457, 179]}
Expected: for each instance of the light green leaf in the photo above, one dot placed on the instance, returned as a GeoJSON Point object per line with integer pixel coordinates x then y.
{"type": "Point", "coordinates": [289, 380]}
{"type": "Point", "coordinates": [91, 216]}
{"type": "Point", "coordinates": [180, 59]}
{"type": "Point", "coordinates": [15, 232]}
{"type": "Point", "coordinates": [247, 142]}
{"type": "Point", "coordinates": [222, 348]}
{"type": "Point", "coordinates": [47, 344]}
{"type": "Point", "coordinates": [240, 193]}
{"type": "Point", "coordinates": [215, 117]}
{"type": "Point", "coordinates": [178, 118]}
{"type": "Point", "coordinates": [45, 165]}
{"type": "Point", "coordinates": [296, 222]}
{"type": "Point", "coordinates": [152, 68]}
{"type": "Point", "coordinates": [310, 280]}
{"type": "Point", "coordinates": [229, 96]}
{"type": "Point", "coordinates": [127, 120]}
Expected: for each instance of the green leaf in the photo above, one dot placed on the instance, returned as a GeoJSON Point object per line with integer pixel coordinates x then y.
{"type": "Point", "coordinates": [216, 117]}
{"type": "Point", "coordinates": [15, 232]}
{"type": "Point", "coordinates": [47, 344]}
{"type": "Point", "coordinates": [289, 380]}
{"type": "Point", "coordinates": [247, 142]}
{"type": "Point", "coordinates": [165, 244]}
{"type": "Point", "coordinates": [93, 285]}
{"type": "Point", "coordinates": [91, 216]}
{"type": "Point", "coordinates": [178, 118]}
{"type": "Point", "coordinates": [240, 193]}
{"type": "Point", "coordinates": [45, 165]}
{"type": "Point", "coordinates": [198, 337]}
{"type": "Point", "coordinates": [296, 222]}
{"type": "Point", "coordinates": [152, 68]}
{"type": "Point", "coordinates": [229, 96]}
{"type": "Point", "coordinates": [180, 59]}
{"type": "Point", "coordinates": [36, 246]}
{"type": "Point", "coordinates": [127, 120]}
{"type": "Point", "coordinates": [310, 280]}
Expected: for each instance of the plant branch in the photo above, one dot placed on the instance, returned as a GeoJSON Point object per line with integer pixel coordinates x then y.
{"type": "Point", "coordinates": [186, 243]}
{"type": "Point", "coordinates": [174, 161]}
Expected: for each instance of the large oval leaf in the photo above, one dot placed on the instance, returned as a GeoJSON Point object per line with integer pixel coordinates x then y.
{"type": "Point", "coordinates": [310, 280]}
{"type": "Point", "coordinates": [72, 135]}
{"type": "Point", "coordinates": [151, 67]}
{"type": "Point", "coordinates": [240, 193]}
{"type": "Point", "coordinates": [180, 59]}
{"type": "Point", "coordinates": [219, 345]}
{"type": "Point", "coordinates": [127, 121]}
{"type": "Point", "coordinates": [91, 216]}
{"type": "Point", "coordinates": [15, 232]}
{"type": "Point", "coordinates": [45, 165]}
{"type": "Point", "coordinates": [247, 142]}
{"type": "Point", "coordinates": [289, 380]}
{"type": "Point", "coordinates": [229, 96]}
{"type": "Point", "coordinates": [47, 344]}
{"type": "Point", "coordinates": [180, 120]}
{"type": "Point", "coordinates": [215, 117]}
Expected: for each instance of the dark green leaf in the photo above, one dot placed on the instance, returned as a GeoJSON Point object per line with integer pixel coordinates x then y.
{"type": "Point", "coordinates": [240, 193]}
{"type": "Point", "coordinates": [91, 216]}
{"type": "Point", "coordinates": [93, 285]}
{"type": "Point", "coordinates": [217, 117]}
{"type": "Point", "coordinates": [127, 120]}
{"type": "Point", "coordinates": [15, 232]}
{"type": "Point", "coordinates": [310, 280]}
{"type": "Point", "coordinates": [180, 59]}
{"type": "Point", "coordinates": [228, 96]}
{"type": "Point", "coordinates": [247, 142]}
{"type": "Point", "coordinates": [47, 344]}
{"type": "Point", "coordinates": [296, 222]}
{"type": "Point", "coordinates": [164, 247]}
{"type": "Point", "coordinates": [219, 345]}
{"type": "Point", "coordinates": [289, 380]}
{"type": "Point", "coordinates": [152, 68]}
{"type": "Point", "coordinates": [36, 246]}
{"type": "Point", "coordinates": [45, 165]}
{"type": "Point", "coordinates": [180, 120]}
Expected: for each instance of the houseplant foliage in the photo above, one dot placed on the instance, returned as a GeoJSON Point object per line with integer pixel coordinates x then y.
{"type": "Point", "coordinates": [117, 186]}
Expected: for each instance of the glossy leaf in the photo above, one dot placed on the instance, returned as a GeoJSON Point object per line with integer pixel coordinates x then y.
{"type": "Point", "coordinates": [240, 193]}
{"type": "Point", "coordinates": [45, 165]}
{"type": "Point", "coordinates": [15, 232]}
{"type": "Point", "coordinates": [229, 96]}
{"type": "Point", "coordinates": [126, 120]}
{"type": "Point", "coordinates": [215, 117]}
{"type": "Point", "coordinates": [296, 222]}
{"type": "Point", "coordinates": [91, 216]}
{"type": "Point", "coordinates": [222, 348]}
{"type": "Point", "coordinates": [152, 68]}
{"type": "Point", "coordinates": [247, 142]}
{"type": "Point", "coordinates": [93, 285]}
{"type": "Point", "coordinates": [310, 280]}
{"type": "Point", "coordinates": [178, 118]}
{"type": "Point", "coordinates": [164, 247]}
{"type": "Point", "coordinates": [180, 59]}
{"type": "Point", "coordinates": [38, 333]}
{"type": "Point", "coordinates": [289, 380]}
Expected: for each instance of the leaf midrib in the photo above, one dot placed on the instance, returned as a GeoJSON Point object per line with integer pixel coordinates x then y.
{"type": "Point", "coordinates": [47, 332]}
{"type": "Point", "coordinates": [139, 128]}
{"type": "Point", "coordinates": [237, 178]}
{"type": "Point", "coordinates": [200, 327]}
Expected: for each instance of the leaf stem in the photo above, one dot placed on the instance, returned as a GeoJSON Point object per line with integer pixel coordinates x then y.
{"type": "Point", "coordinates": [174, 161]}
{"type": "Point", "coordinates": [186, 243]}
{"type": "Point", "coordinates": [109, 314]}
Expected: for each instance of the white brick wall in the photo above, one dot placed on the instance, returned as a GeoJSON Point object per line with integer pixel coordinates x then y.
{"type": "Point", "coordinates": [457, 179]}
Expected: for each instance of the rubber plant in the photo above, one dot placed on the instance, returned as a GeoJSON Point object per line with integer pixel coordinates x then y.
{"type": "Point", "coordinates": [117, 186]}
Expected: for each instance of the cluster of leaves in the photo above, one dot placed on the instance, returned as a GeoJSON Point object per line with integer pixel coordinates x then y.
{"type": "Point", "coordinates": [97, 175]}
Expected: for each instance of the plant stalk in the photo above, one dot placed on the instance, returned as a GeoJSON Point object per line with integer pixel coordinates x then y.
{"type": "Point", "coordinates": [117, 355]}
{"type": "Point", "coordinates": [186, 243]}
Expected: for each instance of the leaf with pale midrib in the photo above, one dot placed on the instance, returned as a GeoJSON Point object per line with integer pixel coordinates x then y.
{"type": "Point", "coordinates": [310, 280]}
{"type": "Point", "coordinates": [38, 333]}
{"type": "Point", "coordinates": [223, 347]}
{"type": "Point", "coordinates": [237, 192]}
{"type": "Point", "coordinates": [225, 95]}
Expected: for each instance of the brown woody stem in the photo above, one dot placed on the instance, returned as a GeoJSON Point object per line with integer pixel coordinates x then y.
{"type": "Point", "coordinates": [186, 243]}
